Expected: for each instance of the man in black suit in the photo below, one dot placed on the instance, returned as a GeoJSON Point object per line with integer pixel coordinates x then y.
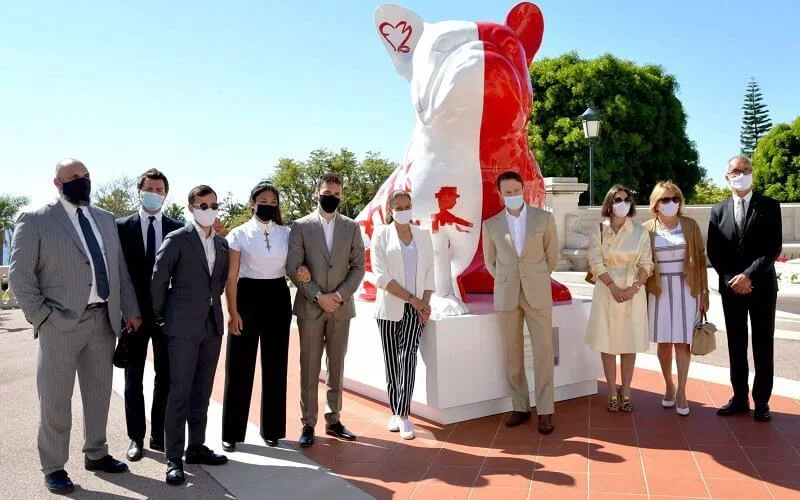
{"type": "Point", "coordinates": [744, 240]}
{"type": "Point", "coordinates": [141, 234]}
{"type": "Point", "coordinates": [188, 279]}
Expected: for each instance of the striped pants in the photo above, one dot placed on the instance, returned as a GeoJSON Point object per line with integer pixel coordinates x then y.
{"type": "Point", "coordinates": [400, 344]}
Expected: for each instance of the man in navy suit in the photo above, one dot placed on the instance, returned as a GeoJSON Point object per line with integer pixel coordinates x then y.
{"type": "Point", "coordinates": [141, 234]}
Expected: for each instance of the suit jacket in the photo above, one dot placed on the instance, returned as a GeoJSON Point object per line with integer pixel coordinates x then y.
{"type": "Point", "coordinates": [183, 289]}
{"type": "Point", "coordinates": [387, 266]}
{"type": "Point", "coordinates": [133, 247]}
{"type": "Point", "coordinates": [51, 274]}
{"type": "Point", "coordinates": [531, 270]}
{"type": "Point", "coordinates": [340, 270]}
{"type": "Point", "coordinates": [754, 252]}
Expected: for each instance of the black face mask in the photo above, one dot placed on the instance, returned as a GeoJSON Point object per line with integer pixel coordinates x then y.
{"type": "Point", "coordinates": [266, 212]}
{"type": "Point", "coordinates": [328, 202]}
{"type": "Point", "coordinates": [77, 191]}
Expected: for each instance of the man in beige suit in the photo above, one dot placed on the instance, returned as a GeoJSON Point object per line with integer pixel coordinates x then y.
{"type": "Point", "coordinates": [520, 247]}
{"type": "Point", "coordinates": [331, 246]}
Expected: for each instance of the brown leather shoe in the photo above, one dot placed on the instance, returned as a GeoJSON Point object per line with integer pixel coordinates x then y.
{"type": "Point", "coordinates": [518, 417]}
{"type": "Point", "coordinates": [545, 424]}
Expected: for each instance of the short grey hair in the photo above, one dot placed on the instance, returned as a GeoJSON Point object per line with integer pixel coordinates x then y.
{"type": "Point", "coordinates": [67, 162]}
{"type": "Point", "coordinates": [741, 158]}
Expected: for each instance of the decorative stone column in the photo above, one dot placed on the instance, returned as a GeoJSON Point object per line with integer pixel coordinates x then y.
{"type": "Point", "coordinates": [562, 200]}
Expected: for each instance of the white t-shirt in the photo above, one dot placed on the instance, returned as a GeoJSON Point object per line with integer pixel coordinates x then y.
{"type": "Point", "coordinates": [257, 261]}
{"type": "Point", "coordinates": [410, 265]}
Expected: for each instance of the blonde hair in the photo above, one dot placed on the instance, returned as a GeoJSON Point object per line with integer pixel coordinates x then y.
{"type": "Point", "coordinates": [658, 192]}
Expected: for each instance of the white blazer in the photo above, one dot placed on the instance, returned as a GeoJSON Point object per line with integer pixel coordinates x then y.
{"type": "Point", "coordinates": [386, 255]}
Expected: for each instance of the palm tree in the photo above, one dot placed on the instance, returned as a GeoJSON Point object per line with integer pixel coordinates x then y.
{"type": "Point", "coordinates": [9, 207]}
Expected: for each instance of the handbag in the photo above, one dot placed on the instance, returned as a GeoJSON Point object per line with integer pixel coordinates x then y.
{"type": "Point", "coordinates": [589, 277]}
{"type": "Point", "coordinates": [122, 352]}
{"type": "Point", "coordinates": [704, 339]}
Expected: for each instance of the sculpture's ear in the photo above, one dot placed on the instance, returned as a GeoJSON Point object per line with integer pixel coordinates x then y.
{"type": "Point", "coordinates": [527, 22]}
{"type": "Point", "coordinates": [400, 30]}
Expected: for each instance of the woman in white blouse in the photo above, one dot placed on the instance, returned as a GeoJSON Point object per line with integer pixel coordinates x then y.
{"type": "Point", "coordinates": [402, 263]}
{"type": "Point", "coordinates": [259, 308]}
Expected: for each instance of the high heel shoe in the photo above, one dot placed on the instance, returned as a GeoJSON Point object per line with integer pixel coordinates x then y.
{"type": "Point", "coordinates": [668, 403]}
{"type": "Point", "coordinates": [613, 402]}
{"type": "Point", "coordinates": [627, 404]}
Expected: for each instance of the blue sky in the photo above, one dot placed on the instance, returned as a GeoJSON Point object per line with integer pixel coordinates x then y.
{"type": "Point", "coordinates": [217, 92]}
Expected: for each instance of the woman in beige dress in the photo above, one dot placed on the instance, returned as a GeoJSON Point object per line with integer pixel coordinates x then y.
{"type": "Point", "coordinates": [621, 260]}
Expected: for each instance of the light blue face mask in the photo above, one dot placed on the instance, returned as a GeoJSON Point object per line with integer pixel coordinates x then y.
{"type": "Point", "coordinates": [152, 202]}
{"type": "Point", "coordinates": [514, 202]}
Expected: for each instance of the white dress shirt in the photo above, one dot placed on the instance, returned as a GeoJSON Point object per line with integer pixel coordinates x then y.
{"type": "Point", "coordinates": [256, 260]}
{"type": "Point", "coordinates": [145, 220]}
{"type": "Point", "coordinates": [208, 245]}
{"type": "Point", "coordinates": [516, 226]}
{"type": "Point", "coordinates": [72, 213]}
{"type": "Point", "coordinates": [410, 265]}
{"type": "Point", "coordinates": [746, 204]}
{"type": "Point", "coordinates": [327, 227]}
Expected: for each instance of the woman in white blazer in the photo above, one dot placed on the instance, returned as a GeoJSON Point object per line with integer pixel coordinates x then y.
{"type": "Point", "coordinates": [402, 263]}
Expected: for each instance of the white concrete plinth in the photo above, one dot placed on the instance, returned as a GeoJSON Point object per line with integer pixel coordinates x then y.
{"type": "Point", "coordinates": [461, 362]}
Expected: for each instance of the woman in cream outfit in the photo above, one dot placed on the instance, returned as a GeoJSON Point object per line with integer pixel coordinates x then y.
{"type": "Point", "coordinates": [621, 260]}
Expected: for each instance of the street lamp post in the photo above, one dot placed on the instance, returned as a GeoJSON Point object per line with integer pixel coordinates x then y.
{"type": "Point", "coordinates": [591, 128]}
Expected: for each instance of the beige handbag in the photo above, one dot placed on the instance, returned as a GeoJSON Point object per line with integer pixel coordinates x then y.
{"type": "Point", "coordinates": [704, 339]}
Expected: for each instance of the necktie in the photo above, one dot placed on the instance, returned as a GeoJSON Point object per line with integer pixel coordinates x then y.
{"type": "Point", "coordinates": [100, 274]}
{"type": "Point", "coordinates": [150, 251]}
{"type": "Point", "coordinates": [740, 215]}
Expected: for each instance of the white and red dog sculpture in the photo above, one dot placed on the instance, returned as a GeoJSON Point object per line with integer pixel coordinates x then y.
{"type": "Point", "coordinates": [472, 94]}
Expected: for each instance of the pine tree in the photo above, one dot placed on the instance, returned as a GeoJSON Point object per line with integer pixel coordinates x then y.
{"type": "Point", "coordinates": [756, 122]}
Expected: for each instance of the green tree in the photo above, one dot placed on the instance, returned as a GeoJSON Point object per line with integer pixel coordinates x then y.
{"type": "Point", "coordinates": [118, 196]}
{"type": "Point", "coordinates": [755, 122]}
{"type": "Point", "coordinates": [643, 130]}
{"type": "Point", "coordinates": [776, 162]}
{"type": "Point", "coordinates": [706, 192]}
{"type": "Point", "coordinates": [233, 213]}
{"type": "Point", "coordinates": [174, 211]}
{"type": "Point", "coordinates": [10, 206]}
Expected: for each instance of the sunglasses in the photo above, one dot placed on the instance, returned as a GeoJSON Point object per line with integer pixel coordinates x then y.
{"type": "Point", "coordinates": [206, 206]}
{"type": "Point", "coordinates": [674, 199]}
{"type": "Point", "coordinates": [620, 200]}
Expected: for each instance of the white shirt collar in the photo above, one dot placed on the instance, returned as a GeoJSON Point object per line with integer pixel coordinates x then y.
{"type": "Point", "coordinates": [201, 231]}
{"type": "Point", "coordinates": [262, 226]}
{"type": "Point", "coordinates": [145, 216]}
{"type": "Point", "coordinates": [69, 207]}
{"type": "Point", "coordinates": [325, 221]}
{"type": "Point", "coordinates": [522, 214]}
{"type": "Point", "coordinates": [746, 197]}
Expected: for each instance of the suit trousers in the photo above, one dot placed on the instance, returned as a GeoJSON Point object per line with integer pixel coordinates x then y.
{"type": "Point", "coordinates": [87, 350]}
{"type": "Point", "coordinates": [193, 363]}
{"type": "Point", "coordinates": [400, 344]}
{"type": "Point", "coordinates": [760, 305]}
{"type": "Point", "coordinates": [540, 328]}
{"type": "Point", "coordinates": [329, 333]}
{"type": "Point", "coordinates": [134, 391]}
{"type": "Point", "coordinates": [266, 310]}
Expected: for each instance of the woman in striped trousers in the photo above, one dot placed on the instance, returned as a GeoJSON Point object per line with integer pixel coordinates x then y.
{"type": "Point", "coordinates": [402, 264]}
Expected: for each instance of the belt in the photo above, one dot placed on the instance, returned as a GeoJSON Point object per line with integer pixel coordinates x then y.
{"type": "Point", "coordinates": [97, 305]}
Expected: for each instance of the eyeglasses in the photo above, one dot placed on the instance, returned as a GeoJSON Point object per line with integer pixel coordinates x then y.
{"type": "Point", "coordinates": [206, 206]}
{"type": "Point", "coordinates": [674, 199]}
{"type": "Point", "coordinates": [735, 172]}
{"type": "Point", "coordinates": [621, 200]}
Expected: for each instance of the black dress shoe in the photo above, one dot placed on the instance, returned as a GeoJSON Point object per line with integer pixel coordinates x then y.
{"type": "Point", "coordinates": [272, 443]}
{"type": "Point", "coordinates": [202, 455]}
{"type": "Point", "coordinates": [134, 453]}
{"type": "Point", "coordinates": [106, 464]}
{"type": "Point", "coordinates": [518, 417]}
{"type": "Point", "coordinates": [175, 473]}
{"type": "Point", "coordinates": [229, 446]}
{"type": "Point", "coordinates": [732, 408]}
{"type": "Point", "coordinates": [340, 432]}
{"type": "Point", "coordinates": [307, 437]}
{"type": "Point", "coordinates": [156, 445]}
{"type": "Point", "coordinates": [58, 482]}
{"type": "Point", "coordinates": [762, 414]}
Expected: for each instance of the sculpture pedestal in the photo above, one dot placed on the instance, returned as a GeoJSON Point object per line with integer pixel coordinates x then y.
{"type": "Point", "coordinates": [461, 362]}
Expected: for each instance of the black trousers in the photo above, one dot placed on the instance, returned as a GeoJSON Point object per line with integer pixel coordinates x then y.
{"type": "Point", "coordinates": [400, 344]}
{"type": "Point", "coordinates": [266, 310]}
{"type": "Point", "coordinates": [760, 305]}
{"type": "Point", "coordinates": [134, 392]}
{"type": "Point", "coordinates": [193, 363]}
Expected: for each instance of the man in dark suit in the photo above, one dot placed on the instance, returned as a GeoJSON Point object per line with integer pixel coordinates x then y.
{"type": "Point", "coordinates": [141, 234]}
{"type": "Point", "coordinates": [744, 240]}
{"type": "Point", "coordinates": [188, 279]}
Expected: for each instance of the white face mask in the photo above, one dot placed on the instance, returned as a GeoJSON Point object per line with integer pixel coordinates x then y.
{"type": "Point", "coordinates": [741, 182]}
{"type": "Point", "coordinates": [622, 208]}
{"type": "Point", "coordinates": [514, 202]}
{"type": "Point", "coordinates": [402, 216]}
{"type": "Point", "coordinates": [669, 209]}
{"type": "Point", "coordinates": [204, 218]}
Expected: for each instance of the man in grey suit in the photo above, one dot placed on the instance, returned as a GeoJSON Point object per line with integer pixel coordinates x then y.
{"type": "Point", "coordinates": [188, 279]}
{"type": "Point", "coordinates": [72, 283]}
{"type": "Point", "coordinates": [331, 246]}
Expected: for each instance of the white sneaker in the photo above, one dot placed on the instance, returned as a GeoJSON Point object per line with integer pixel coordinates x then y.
{"type": "Point", "coordinates": [394, 424]}
{"type": "Point", "coordinates": [406, 429]}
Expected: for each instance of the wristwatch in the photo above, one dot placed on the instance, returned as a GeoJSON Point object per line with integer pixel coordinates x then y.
{"type": "Point", "coordinates": [316, 297]}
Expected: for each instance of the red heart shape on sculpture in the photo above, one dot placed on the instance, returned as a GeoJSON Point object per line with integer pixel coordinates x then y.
{"type": "Point", "coordinates": [401, 30]}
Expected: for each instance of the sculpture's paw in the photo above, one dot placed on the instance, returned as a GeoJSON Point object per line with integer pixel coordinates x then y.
{"type": "Point", "coordinates": [442, 307]}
